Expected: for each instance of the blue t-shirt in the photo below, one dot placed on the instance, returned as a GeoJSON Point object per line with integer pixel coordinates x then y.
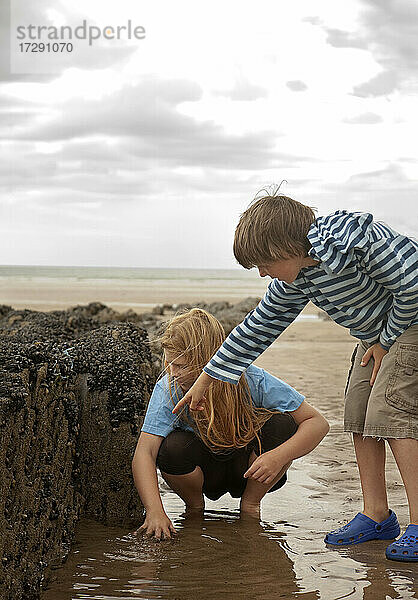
{"type": "Point", "coordinates": [266, 391]}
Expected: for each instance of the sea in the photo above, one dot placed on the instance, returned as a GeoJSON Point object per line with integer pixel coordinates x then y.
{"type": "Point", "coordinates": [122, 288]}
{"type": "Point", "coordinates": [77, 273]}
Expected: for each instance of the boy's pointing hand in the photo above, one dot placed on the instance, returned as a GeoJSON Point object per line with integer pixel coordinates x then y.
{"type": "Point", "coordinates": [377, 352]}
{"type": "Point", "coordinates": [195, 397]}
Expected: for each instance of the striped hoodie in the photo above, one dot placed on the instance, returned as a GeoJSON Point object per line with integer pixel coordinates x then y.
{"type": "Point", "coordinates": [366, 280]}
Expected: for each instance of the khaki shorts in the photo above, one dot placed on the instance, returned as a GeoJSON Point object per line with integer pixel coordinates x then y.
{"type": "Point", "coordinates": [388, 409]}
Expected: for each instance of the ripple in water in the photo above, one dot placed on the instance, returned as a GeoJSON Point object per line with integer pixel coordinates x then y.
{"type": "Point", "coordinates": [217, 555]}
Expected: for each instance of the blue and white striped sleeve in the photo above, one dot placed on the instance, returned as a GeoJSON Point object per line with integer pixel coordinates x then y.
{"type": "Point", "coordinates": [392, 261]}
{"type": "Point", "coordinates": [388, 258]}
{"type": "Point", "coordinates": [277, 310]}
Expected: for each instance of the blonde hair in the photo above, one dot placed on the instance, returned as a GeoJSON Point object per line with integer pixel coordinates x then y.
{"type": "Point", "coordinates": [273, 227]}
{"type": "Point", "coordinates": [229, 419]}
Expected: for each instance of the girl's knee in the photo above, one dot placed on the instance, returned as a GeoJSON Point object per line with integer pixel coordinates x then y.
{"type": "Point", "coordinates": [278, 429]}
{"type": "Point", "coordinates": [175, 456]}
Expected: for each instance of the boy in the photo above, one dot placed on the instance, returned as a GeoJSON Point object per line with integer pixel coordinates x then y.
{"type": "Point", "coordinates": [364, 275]}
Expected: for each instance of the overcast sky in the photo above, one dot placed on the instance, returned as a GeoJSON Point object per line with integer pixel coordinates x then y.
{"type": "Point", "coordinates": [144, 152]}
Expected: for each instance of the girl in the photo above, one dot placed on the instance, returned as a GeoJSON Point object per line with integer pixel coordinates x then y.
{"type": "Point", "coordinates": [244, 447]}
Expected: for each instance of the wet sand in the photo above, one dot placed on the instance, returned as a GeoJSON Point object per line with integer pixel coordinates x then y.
{"type": "Point", "coordinates": [220, 556]}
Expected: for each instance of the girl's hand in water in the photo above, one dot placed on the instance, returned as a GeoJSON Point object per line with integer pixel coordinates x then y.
{"type": "Point", "coordinates": [195, 397]}
{"type": "Point", "coordinates": [157, 525]}
{"type": "Point", "coordinates": [265, 467]}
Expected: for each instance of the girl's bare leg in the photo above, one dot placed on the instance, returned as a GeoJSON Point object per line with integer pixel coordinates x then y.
{"type": "Point", "coordinates": [188, 487]}
{"type": "Point", "coordinates": [254, 491]}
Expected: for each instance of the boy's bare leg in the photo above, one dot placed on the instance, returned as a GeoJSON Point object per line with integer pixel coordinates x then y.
{"type": "Point", "coordinates": [254, 491]}
{"type": "Point", "coordinates": [189, 487]}
{"type": "Point", "coordinates": [371, 459]}
{"type": "Point", "coordinates": [405, 452]}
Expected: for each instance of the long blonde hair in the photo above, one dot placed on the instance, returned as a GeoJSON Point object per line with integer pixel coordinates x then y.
{"type": "Point", "coordinates": [229, 419]}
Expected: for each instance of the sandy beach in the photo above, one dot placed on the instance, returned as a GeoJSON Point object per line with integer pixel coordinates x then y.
{"type": "Point", "coordinates": [313, 355]}
{"type": "Point", "coordinates": [43, 292]}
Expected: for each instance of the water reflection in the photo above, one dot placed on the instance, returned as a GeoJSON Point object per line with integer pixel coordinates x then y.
{"type": "Point", "coordinates": [222, 556]}
{"type": "Point", "coordinates": [382, 579]}
{"type": "Point", "coordinates": [216, 555]}
{"type": "Point", "coordinates": [219, 555]}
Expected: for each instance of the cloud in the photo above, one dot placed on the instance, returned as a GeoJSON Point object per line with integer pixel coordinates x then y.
{"type": "Point", "coordinates": [102, 55]}
{"type": "Point", "coordinates": [389, 30]}
{"type": "Point", "coordinates": [17, 114]}
{"type": "Point", "coordinates": [386, 193]}
{"type": "Point", "coordinates": [156, 157]}
{"type": "Point", "coordinates": [9, 119]}
{"type": "Point", "coordinates": [146, 109]}
{"type": "Point", "coordinates": [244, 91]}
{"type": "Point", "coordinates": [344, 39]}
{"type": "Point", "coordinates": [382, 84]}
{"type": "Point", "coordinates": [146, 119]}
{"type": "Point", "coordinates": [367, 118]}
{"type": "Point", "coordinates": [312, 20]}
{"type": "Point", "coordinates": [390, 178]}
{"type": "Point", "coordinates": [127, 146]}
{"type": "Point", "coordinates": [297, 85]}
{"type": "Point", "coordinates": [176, 223]}
{"type": "Point", "coordinates": [5, 73]}
{"type": "Point", "coordinates": [390, 194]}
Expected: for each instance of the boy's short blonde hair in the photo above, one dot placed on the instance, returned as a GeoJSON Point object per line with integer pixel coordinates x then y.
{"type": "Point", "coordinates": [272, 228]}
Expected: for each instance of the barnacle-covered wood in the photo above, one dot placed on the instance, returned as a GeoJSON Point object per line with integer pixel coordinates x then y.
{"type": "Point", "coordinates": [74, 387]}
{"type": "Point", "coordinates": [73, 392]}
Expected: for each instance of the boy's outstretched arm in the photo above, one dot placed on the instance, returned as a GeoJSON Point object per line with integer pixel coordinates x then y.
{"type": "Point", "coordinates": [279, 307]}
{"type": "Point", "coordinates": [312, 428]}
{"type": "Point", "coordinates": [195, 396]}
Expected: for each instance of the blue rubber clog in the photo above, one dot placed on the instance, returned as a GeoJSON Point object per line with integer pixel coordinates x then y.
{"type": "Point", "coordinates": [406, 548]}
{"type": "Point", "coordinates": [362, 529]}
